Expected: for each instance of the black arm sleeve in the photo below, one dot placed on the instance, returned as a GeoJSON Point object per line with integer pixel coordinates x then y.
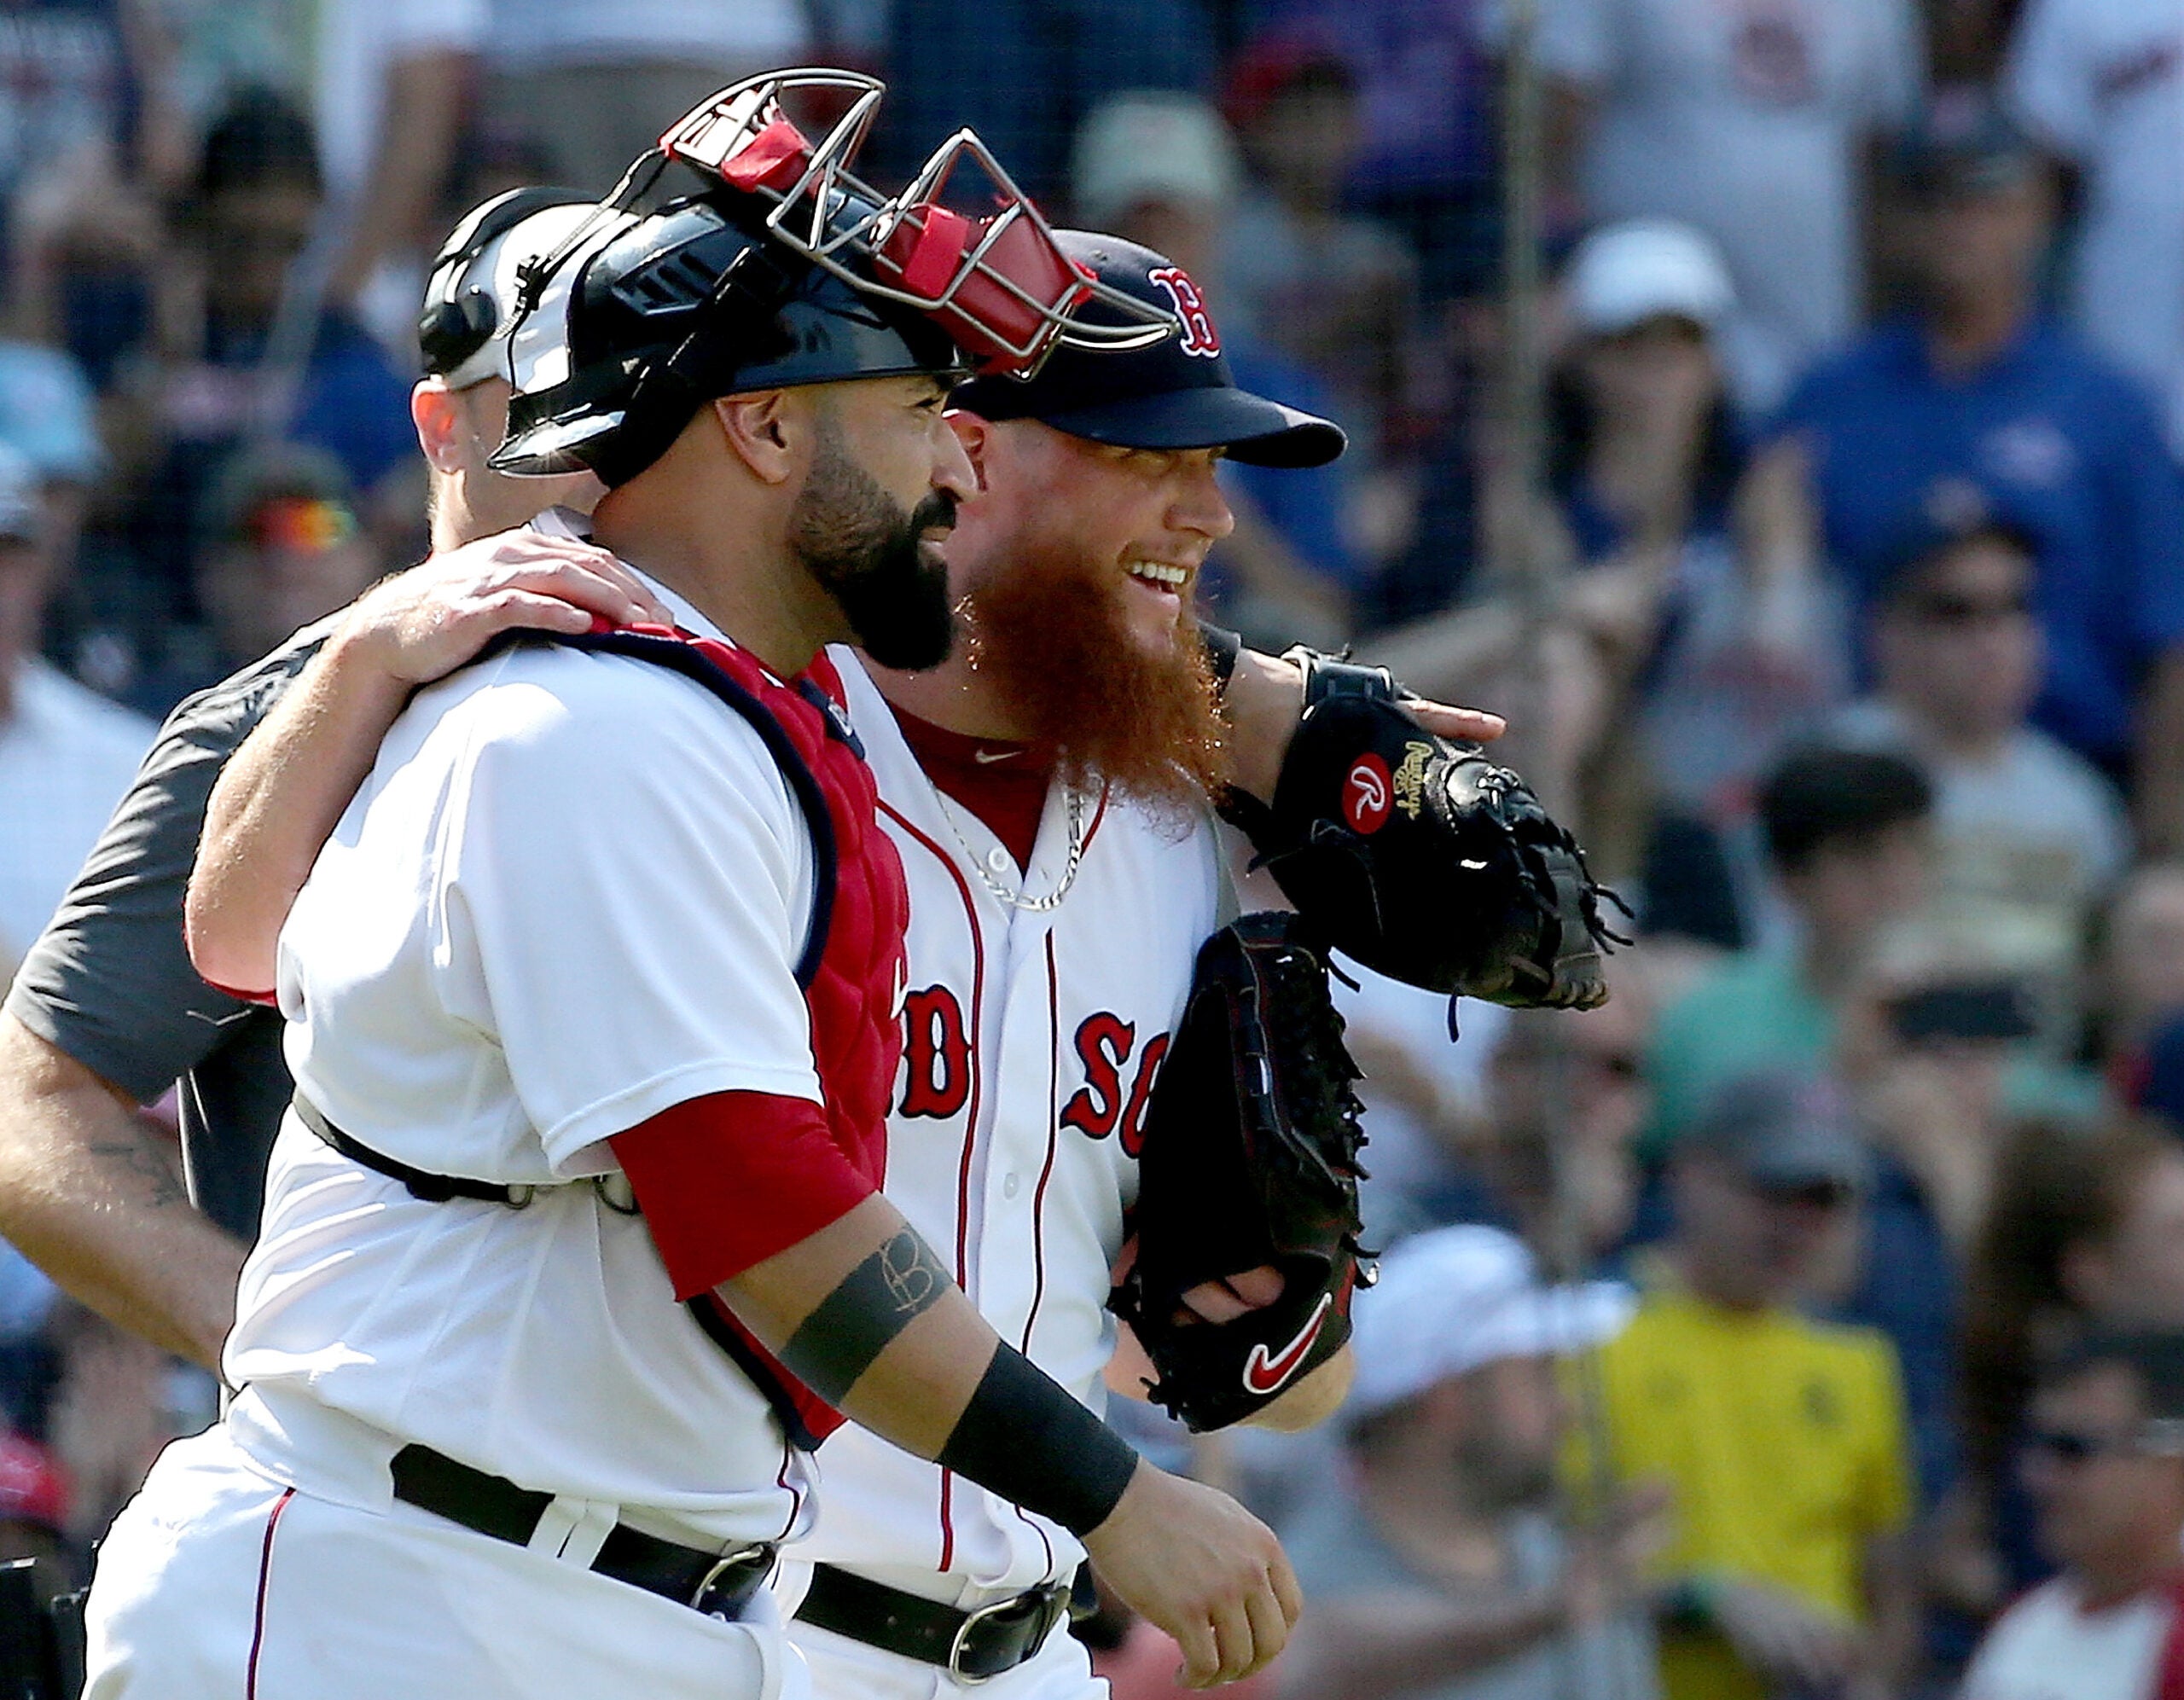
{"type": "Point", "coordinates": [110, 982]}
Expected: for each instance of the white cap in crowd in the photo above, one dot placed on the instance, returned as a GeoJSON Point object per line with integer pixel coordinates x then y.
{"type": "Point", "coordinates": [1453, 1299]}
{"type": "Point", "coordinates": [1624, 275]}
{"type": "Point", "coordinates": [1152, 146]}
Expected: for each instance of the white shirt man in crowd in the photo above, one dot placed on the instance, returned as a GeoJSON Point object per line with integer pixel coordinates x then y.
{"type": "Point", "coordinates": [1439, 1572]}
{"type": "Point", "coordinates": [1743, 120]}
{"type": "Point", "coordinates": [65, 755]}
{"type": "Point", "coordinates": [2104, 1462]}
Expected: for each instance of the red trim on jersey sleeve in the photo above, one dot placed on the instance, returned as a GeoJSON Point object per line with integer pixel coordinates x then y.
{"type": "Point", "coordinates": [727, 1180]}
{"type": "Point", "coordinates": [267, 1000]}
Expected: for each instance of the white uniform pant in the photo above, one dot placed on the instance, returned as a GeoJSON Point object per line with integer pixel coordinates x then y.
{"type": "Point", "coordinates": [220, 1583]}
{"type": "Point", "coordinates": [843, 1669]}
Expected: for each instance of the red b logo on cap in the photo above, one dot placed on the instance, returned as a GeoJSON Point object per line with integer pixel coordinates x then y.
{"type": "Point", "coordinates": [1199, 337]}
{"type": "Point", "coordinates": [1366, 794]}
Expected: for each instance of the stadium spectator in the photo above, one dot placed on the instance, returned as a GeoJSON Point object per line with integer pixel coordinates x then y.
{"type": "Point", "coordinates": [2027, 832]}
{"type": "Point", "coordinates": [1335, 292]}
{"type": "Point", "coordinates": [1746, 120]}
{"type": "Point", "coordinates": [2104, 1462]}
{"type": "Point", "coordinates": [235, 368]}
{"type": "Point", "coordinates": [1783, 1438]}
{"type": "Point", "coordinates": [1027, 74]}
{"type": "Point", "coordinates": [2158, 1087]}
{"type": "Point", "coordinates": [66, 755]}
{"type": "Point", "coordinates": [1442, 1571]}
{"type": "Point", "coordinates": [1527, 1109]}
{"type": "Point", "coordinates": [1700, 581]}
{"type": "Point", "coordinates": [1934, 1048]}
{"type": "Point", "coordinates": [1163, 170]}
{"type": "Point", "coordinates": [2086, 1231]}
{"type": "Point", "coordinates": [1427, 152]}
{"type": "Point", "coordinates": [1426, 1103]}
{"type": "Point", "coordinates": [2137, 972]}
{"type": "Point", "coordinates": [2102, 82]}
{"type": "Point", "coordinates": [392, 90]}
{"type": "Point", "coordinates": [1694, 588]}
{"type": "Point", "coordinates": [1568, 1096]}
{"type": "Point", "coordinates": [592, 87]}
{"type": "Point", "coordinates": [1976, 400]}
{"type": "Point", "coordinates": [280, 546]}
{"type": "Point", "coordinates": [1847, 837]}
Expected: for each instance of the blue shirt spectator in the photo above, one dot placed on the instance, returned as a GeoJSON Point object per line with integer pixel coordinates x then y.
{"type": "Point", "coordinates": [1908, 1288]}
{"type": "Point", "coordinates": [1427, 145]}
{"type": "Point", "coordinates": [1304, 504]}
{"type": "Point", "coordinates": [1024, 74]}
{"type": "Point", "coordinates": [2070, 448]}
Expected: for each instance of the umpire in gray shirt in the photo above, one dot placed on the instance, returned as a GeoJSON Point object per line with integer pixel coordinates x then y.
{"type": "Point", "coordinates": [107, 1013]}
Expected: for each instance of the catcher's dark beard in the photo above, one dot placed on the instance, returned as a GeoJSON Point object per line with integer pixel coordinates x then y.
{"type": "Point", "coordinates": [1051, 626]}
{"type": "Point", "coordinates": [867, 553]}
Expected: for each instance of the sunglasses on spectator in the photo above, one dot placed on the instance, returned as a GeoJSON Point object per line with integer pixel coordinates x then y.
{"type": "Point", "coordinates": [2163, 1437]}
{"type": "Point", "coordinates": [1824, 1195]}
{"type": "Point", "coordinates": [1945, 609]}
{"type": "Point", "coordinates": [305, 525]}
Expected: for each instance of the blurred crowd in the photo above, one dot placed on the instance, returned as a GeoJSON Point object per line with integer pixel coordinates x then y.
{"type": "Point", "coordinates": [1765, 1333]}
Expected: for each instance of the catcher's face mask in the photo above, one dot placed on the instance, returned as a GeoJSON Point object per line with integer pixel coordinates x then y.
{"type": "Point", "coordinates": [997, 281]}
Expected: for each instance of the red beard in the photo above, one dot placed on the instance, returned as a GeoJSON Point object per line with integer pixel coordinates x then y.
{"type": "Point", "coordinates": [1054, 631]}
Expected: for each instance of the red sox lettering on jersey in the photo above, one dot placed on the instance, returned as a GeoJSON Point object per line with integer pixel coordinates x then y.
{"type": "Point", "coordinates": [1032, 1043]}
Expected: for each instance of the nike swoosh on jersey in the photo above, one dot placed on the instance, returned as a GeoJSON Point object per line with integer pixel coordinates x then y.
{"type": "Point", "coordinates": [1264, 1373]}
{"type": "Point", "coordinates": [986, 758]}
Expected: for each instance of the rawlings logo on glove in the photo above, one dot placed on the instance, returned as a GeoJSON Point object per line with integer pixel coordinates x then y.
{"type": "Point", "coordinates": [1422, 858]}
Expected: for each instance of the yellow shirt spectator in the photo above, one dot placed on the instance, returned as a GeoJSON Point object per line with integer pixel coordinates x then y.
{"type": "Point", "coordinates": [1785, 1440]}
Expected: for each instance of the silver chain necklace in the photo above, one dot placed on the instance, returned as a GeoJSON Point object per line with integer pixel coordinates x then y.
{"type": "Point", "coordinates": [1037, 905]}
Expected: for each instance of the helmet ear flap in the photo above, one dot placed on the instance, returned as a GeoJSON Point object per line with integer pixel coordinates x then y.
{"type": "Point", "coordinates": [448, 331]}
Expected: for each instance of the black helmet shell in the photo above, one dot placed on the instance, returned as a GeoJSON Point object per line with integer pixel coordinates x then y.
{"type": "Point", "coordinates": [681, 305]}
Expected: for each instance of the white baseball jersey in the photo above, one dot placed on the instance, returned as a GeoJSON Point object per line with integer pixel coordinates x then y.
{"type": "Point", "coordinates": [569, 896]}
{"type": "Point", "coordinates": [1032, 1043]}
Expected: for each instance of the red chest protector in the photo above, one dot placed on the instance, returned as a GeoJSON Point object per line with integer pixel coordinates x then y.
{"type": "Point", "coordinates": [853, 967]}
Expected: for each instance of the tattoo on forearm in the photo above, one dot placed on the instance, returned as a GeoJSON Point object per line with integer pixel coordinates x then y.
{"type": "Point", "coordinates": [876, 1301]}
{"type": "Point", "coordinates": [162, 1187]}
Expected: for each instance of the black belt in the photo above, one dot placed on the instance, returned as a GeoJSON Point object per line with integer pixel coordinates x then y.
{"type": "Point", "coordinates": [433, 1189]}
{"type": "Point", "coordinates": [972, 1646]}
{"type": "Point", "coordinates": [719, 1584]}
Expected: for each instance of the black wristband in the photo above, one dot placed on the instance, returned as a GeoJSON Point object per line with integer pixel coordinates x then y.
{"type": "Point", "coordinates": [1223, 646]}
{"type": "Point", "coordinates": [1023, 1437]}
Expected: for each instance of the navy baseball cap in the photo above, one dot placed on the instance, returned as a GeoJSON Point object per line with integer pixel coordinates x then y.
{"type": "Point", "coordinates": [1782, 1131]}
{"type": "Point", "coordinates": [1177, 394]}
{"type": "Point", "coordinates": [1962, 144]}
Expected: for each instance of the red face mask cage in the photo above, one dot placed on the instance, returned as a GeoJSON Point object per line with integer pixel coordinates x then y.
{"type": "Point", "coordinates": [999, 284]}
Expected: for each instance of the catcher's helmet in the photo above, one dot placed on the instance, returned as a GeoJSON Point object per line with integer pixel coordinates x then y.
{"type": "Point", "coordinates": [777, 267]}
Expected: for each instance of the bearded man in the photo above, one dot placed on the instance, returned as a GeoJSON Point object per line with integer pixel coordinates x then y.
{"type": "Point", "coordinates": [1049, 787]}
